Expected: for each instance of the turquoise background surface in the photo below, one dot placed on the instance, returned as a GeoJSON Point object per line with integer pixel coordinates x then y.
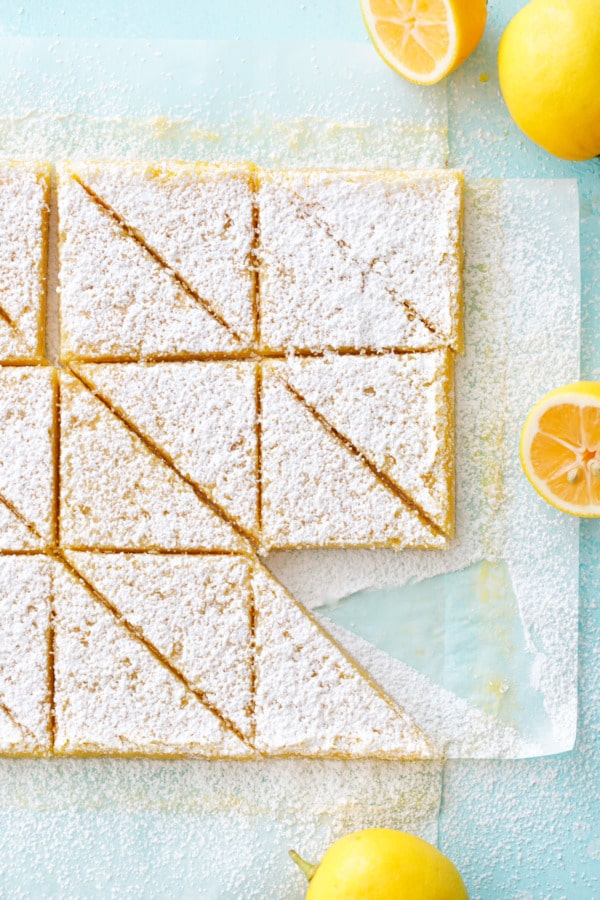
{"type": "Point", "coordinates": [526, 829]}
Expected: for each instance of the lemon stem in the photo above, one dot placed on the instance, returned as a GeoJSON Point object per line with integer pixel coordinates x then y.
{"type": "Point", "coordinates": [308, 869]}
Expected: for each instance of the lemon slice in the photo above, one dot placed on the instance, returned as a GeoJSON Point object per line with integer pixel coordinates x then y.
{"type": "Point", "coordinates": [424, 40]}
{"type": "Point", "coordinates": [560, 448]}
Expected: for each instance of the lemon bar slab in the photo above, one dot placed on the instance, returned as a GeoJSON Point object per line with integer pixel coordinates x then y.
{"type": "Point", "coordinates": [27, 481]}
{"type": "Point", "coordinates": [24, 199]}
{"type": "Point", "coordinates": [202, 415]}
{"type": "Point", "coordinates": [197, 612]}
{"type": "Point", "coordinates": [25, 641]}
{"type": "Point", "coordinates": [316, 490]}
{"type": "Point", "coordinates": [116, 492]}
{"type": "Point", "coordinates": [114, 697]}
{"type": "Point", "coordinates": [155, 261]}
{"type": "Point", "coordinates": [311, 698]}
{"type": "Point", "coordinates": [396, 410]}
{"type": "Point", "coordinates": [360, 260]}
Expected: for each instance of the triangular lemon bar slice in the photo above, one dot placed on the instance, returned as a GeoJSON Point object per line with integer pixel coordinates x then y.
{"type": "Point", "coordinates": [117, 300]}
{"type": "Point", "coordinates": [113, 696]}
{"type": "Point", "coordinates": [316, 492]}
{"type": "Point", "coordinates": [397, 411]}
{"type": "Point", "coordinates": [202, 415]}
{"type": "Point", "coordinates": [116, 493]}
{"type": "Point", "coordinates": [27, 413]}
{"type": "Point", "coordinates": [360, 260]}
{"type": "Point", "coordinates": [199, 217]}
{"type": "Point", "coordinates": [25, 590]}
{"type": "Point", "coordinates": [197, 612]}
{"type": "Point", "coordinates": [311, 698]}
{"type": "Point", "coordinates": [24, 194]}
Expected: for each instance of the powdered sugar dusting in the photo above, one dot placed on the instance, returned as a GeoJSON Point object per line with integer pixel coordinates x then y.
{"type": "Point", "coordinates": [223, 827]}
{"type": "Point", "coordinates": [397, 410]}
{"type": "Point", "coordinates": [349, 259]}
{"type": "Point", "coordinates": [522, 306]}
{"type": "Point", "coordinates": [115, 493]}
{"type": "Point", "coordinates": [458, 729]}
{"type": "Point", "coordinates": [203, 414]}
{"type": "Point", "coordinates": [112, 696]}
{"type": "Point", "coordinates": [23, 217]}
{"type": "Point", "coordinates": [316, 492]}
{"type": "Point", "coordinates": [332, 710]}
{"type": "Point", "coordinates": [198, 217]}
{"type": "Point", "coordinates": [115, 298]}
{"type": "Point", "coordinates": [26, 456]}
{"type": "Point", "coordinates": [195, 609]}
{"type": "Point", "coordinates": [24, 671]}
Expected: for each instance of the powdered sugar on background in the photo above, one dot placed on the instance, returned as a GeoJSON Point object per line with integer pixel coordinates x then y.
{"type": "Point", "coordinates": [230, 824]}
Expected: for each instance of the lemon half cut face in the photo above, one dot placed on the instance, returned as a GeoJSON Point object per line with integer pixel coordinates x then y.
{"type": "Point", "coordinates": [560, 448]}
{"type": "Point", "coordinates": [424, 40]}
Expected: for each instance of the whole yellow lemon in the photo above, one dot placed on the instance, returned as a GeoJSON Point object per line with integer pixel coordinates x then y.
{"type": "Point", "coordinates": [383, 864]}
{"type": "Point", "coordinates": [549, 67]}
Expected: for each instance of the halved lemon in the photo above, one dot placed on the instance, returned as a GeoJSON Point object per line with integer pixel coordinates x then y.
{"type": "Point", "coordinates": [424, 40]}
{"type": "Point", "coordinates": [560, 448]}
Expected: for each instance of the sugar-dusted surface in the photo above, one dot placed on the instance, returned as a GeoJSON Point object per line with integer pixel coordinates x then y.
{"type": "Point", "coordinates": [458, 729]}
{"type": "Point", "coordinates": [25, 590]}
{"type": "Point", "coordinates": [520, 242]}
{"type": "Point", "coordinates": [362, 260]}
{"type": "Point", "coordinates": [202, 414]}
{"type": "Point", "coordinates": [24, 189]}
{"type": "Point", "coordinates": [116, 298]}
{"type": "Point", "coordinates": [196, 610]}
{"type": "Point", "coordinates": [113, 696]}
{"type": "Point", "coordinates": [117, 494]}
{"type": "Point", "coordinates": [522, 297]}
{"type": "Point", "coordinates": [397, 410]}
{"type": "Point", "coordinates": [198, 218]}
{"type": "Point", "coordinates": [311, 699]}
{"type": "Point", "coordinates": [316, 492]}
{"type": "Point", "coordinates": [193, 826]}
{"type": "Point", "coordinates": [15, 535]}
{"type": "Point", "coordinates": [11, 734]}
{"type": "Point", "coordinates": [27, 396]}
{"type": "Point", "coordinates": [278, 104]}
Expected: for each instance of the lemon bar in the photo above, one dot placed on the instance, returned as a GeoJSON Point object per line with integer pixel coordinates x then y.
{"type": "Point", "coordinates": [360, 260]}
{"type": "Point", "coordinates": [202, 415]}
{"type": "Point", "coordinates": [396, 410]}
{"type": "Point", "coordinates": [113, 696]}
{"type": "Point", "coordinates": [117, 492]}
{"type": "Point", "coordinates": [24, 199]}
{"type": "Point", "coordinates": [155, 261]}
{"type": "Point", "coordinates": [311, 698]}
{"type": "Point", "coordinates": [27, 416]}
{"type": "Point", "coordinates": [25, 642]}
{"type": "Point", "coordinates": [197, 612]}
{"type": "Point", "coordinates": [317, 491]}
